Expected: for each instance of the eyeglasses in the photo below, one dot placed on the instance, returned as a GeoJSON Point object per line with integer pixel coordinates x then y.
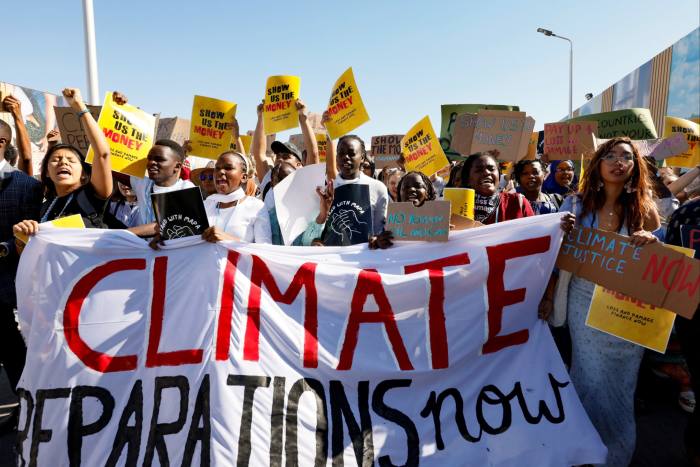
{"type": "Point", "coordinates": [611, 158]}
{"type": "Point", "coordinates": [203, 177]}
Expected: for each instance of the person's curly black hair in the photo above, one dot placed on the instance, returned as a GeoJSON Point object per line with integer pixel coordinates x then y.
{"type": "Point", "coordinates": [429, 188]}
{"type": "Point", "coordinates": [469, 161]}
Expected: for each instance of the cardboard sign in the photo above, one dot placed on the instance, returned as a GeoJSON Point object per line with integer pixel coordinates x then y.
{"type": "Point", "coordinates": [567, 141]}
{"type": "Point", "coordinates": [630, 319]}
{"type": "Point", "coordinates": [429, 222]}
{"type": "Point", "coordinates": [175, 128]}
{"type": "Point", "coordinates": [350, 217]}
{"type": "Point", "coordinates": [461, 200]}
{"type": "Point", "coordinates": [458, 222]}
{"type": "Point", "coordinates": [345, 107]}
{"type": "Point", "coordinates": [658, 148]}
{"type": "Point", "coordinates": [691, 131]}
{"type": "Point", "coordinates": [654, 274]}
{"type": "Point", "coordinates": [421, 150]}
{"type": "Point", "coordinates": [69, 222]}
{"type": "Point", "coordinates": [508, 132]}
{"type": "Point", "coordinates": [210, 130]}
{"type": "Point", "coordinates": [634, 123]}
{"type": "Point", "coordinates": [386, 150]}
{"type": "Point", "coordinates": [71, 128]}
{"type": "Point", "coordinates": [280, 112]}
{"type": "Point", "coordinates": [130, 133]}
{"type": "Point", "coordinates": [690, 238]}
{"type": "Point", "coordinates": [180, 213]}
{"type": "Point", "coordinates": [449, 114]}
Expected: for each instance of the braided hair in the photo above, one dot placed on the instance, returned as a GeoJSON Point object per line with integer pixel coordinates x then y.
{"type": "Point", "coordinates": [429, 188]}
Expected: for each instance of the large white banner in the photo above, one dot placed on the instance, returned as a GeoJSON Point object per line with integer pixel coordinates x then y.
{"type": "Point", "coordinates": [244, 354]}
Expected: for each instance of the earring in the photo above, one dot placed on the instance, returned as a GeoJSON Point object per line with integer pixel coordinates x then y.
{"type": "Point", "coordinates": [628, 187]}
{"type": "Point", "coordinates": [600, 185]}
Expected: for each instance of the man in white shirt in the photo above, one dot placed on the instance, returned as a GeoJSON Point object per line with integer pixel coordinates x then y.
{"type": "Point", "coordinates": [164, 164]}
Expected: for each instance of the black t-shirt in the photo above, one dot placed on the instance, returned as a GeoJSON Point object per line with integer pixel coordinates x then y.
{"type": "Point", "coordinates": [83, 201]}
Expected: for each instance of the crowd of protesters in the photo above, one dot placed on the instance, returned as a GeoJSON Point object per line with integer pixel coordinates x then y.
{"type": "Point", "coordinates": [619, 191]}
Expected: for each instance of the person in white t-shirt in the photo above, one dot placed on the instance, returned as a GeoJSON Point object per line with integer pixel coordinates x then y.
{"type": "Point", "coordinates": [233, 215]}
{"type": "Point", "coordinates": [163, 166]}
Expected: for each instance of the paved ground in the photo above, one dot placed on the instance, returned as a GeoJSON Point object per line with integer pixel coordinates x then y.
{"type": "Point", "coordinates": [660, 424]}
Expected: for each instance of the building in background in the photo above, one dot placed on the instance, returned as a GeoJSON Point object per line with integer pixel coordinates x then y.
{"type": "Point", "coordinates": [668, 84]}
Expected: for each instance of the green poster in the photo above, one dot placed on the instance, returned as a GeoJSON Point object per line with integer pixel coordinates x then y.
{"type": "Point", "coordinates": [635, 123]}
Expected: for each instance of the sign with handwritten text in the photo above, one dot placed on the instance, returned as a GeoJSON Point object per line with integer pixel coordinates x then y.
{"type": "Point", "coordinates": [429, 222]}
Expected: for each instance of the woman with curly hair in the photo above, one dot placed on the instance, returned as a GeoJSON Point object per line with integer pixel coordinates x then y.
{"type": "Point", "coordinates": [481, 173]}
{"type": "Point", "coordinates": [615, 196]}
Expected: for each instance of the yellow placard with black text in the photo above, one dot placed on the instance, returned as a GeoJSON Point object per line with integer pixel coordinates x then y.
{"type": "Point", "coordinates": [129, 132]}
{"type": "Point", "coordinates": [345, 107]}
{"type": "Point", "coordinates": [322, 142]}
{"type": "Point", "coordinates": [279, 110]}
{"type": "Point", "coordinates": [210, 126]}
{"type": "Point", "coordinates": [421, 149]}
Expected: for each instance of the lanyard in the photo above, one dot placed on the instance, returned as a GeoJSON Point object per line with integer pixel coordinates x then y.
{"type": "Point", "coordinates": [45, 217]}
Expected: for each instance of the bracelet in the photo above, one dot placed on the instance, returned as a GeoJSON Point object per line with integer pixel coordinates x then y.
{"type": "Point", "coordinates": [83, 112]}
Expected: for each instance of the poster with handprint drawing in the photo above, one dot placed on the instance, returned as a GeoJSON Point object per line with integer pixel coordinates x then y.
{"type": "Point", "coordinates": [350, 217]}
{"type": "Point", "coordinates": [180, 213]}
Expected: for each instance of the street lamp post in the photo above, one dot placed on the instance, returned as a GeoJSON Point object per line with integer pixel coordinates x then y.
{"type": "Point", "coordinates": [547, 32]}
{"type": "Point", "coordinates": [90, 52]}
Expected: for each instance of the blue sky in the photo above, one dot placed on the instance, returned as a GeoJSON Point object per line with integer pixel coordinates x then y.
{"type": "Point", "coordinates": [409, 57]}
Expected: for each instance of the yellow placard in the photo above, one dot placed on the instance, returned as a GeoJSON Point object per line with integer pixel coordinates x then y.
{"type": "Point", "coordinates": [421, 149]}
{"type": "Point", "coordinates": [691, 130]}
{"type": "Point", "coordinates": [532, 146]}
{"type": "Point", "coordinates": [345, 107]}
{"type": "Point", "coordinates": [130, 133]}
{"type": "Point", "coordinates": [630, 319]}
{"type": "Point", "coordinates": [279, 112]}
{"type": "Point", "coordinates": [246, 140]}
{"type": "Point", "coordinates": [69, 222]}
{"type": "Point", "coordinates": [461, 201]}
{"type": "Point", "coordinates": [322, 142]}
{"type": "Point", "coordinates": [210, 126]}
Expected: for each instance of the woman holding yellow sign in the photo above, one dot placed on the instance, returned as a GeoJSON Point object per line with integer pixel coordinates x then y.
{"type": "Point", "coordinates": [615, 196]}
{"type": "Point", "coordinates": [72, 186]}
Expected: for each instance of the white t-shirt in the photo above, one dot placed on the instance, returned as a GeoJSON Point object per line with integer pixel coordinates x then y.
{"type": "Point", "coordinates": [378, 198]}
{"type": "Point", "coordinates": [248, 220]}
{"type": "Point", "coordinates": [143, 187]}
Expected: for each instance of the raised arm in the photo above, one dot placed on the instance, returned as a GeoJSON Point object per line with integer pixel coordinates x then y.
{"type": "Point", "coordinates": [331, 168]}
{"type": "Point", "coordinates": [236, 134]}
{"type": "Point", "coordinates": [684, 180]}
{"type": "Point", "coordinates": [24, 145]}
{"type": "Point", "coordinates": [310, 143]}
{"type": "Point", "coordinates": [101, 178]}
{"type": "Point", "coordinates": [263, 163]}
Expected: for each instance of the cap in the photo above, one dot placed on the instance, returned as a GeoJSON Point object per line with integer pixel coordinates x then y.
{"type": "Point", "coordinates": [280, 147]}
